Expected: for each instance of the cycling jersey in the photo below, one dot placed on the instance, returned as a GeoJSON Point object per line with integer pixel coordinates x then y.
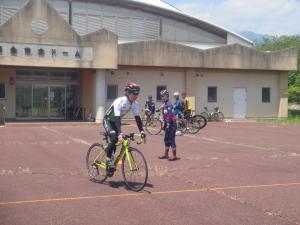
{"type": "Point", "coordinates": [120, 107]}
{"type": "Point", "coordinates": [168, 111]}
{"type": "Point", "coordinates": [178, 107]}
{"type": "Point", "coordinates": [186, 103]}
{"type": "Point", "coordinates": [150, 106]}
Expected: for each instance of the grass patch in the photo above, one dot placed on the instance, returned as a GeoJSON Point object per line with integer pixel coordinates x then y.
{"type": "Point", "coordinates": [293, 119]}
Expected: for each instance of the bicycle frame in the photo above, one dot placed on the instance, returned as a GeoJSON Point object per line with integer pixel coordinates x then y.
{"type": "Point", "coordinates": [124, 150]}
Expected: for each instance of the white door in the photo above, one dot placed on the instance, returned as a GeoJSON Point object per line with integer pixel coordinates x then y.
{"type": "Point", "coordinates": [239, 103]}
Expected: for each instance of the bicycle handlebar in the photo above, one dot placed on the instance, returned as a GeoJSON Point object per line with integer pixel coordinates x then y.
{"type": "Point", "coordinates": [133, 136]}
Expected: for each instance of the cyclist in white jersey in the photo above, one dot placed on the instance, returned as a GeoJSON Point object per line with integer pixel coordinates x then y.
{"type": "Point", "coordinates": [112, 119]}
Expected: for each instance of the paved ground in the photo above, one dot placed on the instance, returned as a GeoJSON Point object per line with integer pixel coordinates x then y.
{"type": "Point", "coordinates": [230, 173]}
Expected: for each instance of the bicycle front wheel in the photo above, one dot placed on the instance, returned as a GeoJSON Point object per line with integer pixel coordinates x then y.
{"type": "Point", "coordinates": [95, 163]}
{"type": "Point", "coordinates": [153, 126]}
{"type": "Point", "coordinates": [134, 170]}
{"type": "Point", "coordinates": [202, 120]}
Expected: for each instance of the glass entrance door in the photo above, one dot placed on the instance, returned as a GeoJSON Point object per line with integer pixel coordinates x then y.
{"type": "Point", "coordinates": [57, 96]}
{"type": "Point", "coordinates": [40, 107]}
{"type": "Point", "coordinates": [48, 102]}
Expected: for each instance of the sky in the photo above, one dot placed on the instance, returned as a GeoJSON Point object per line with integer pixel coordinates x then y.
{"type": "Point", "coordinates": [273, 17]}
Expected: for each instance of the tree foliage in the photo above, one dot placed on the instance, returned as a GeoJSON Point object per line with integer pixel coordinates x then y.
{"type": "Point", "coordinates": [278, 43]}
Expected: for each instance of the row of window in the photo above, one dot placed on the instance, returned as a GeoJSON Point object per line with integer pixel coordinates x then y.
{"type": "Point", "coordinates": [112, 93]}
{"type": "Point", "coordinates": [265, 94]}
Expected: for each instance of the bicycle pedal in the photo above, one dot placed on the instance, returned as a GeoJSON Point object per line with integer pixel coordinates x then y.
{"type": "Point", "coordinates": [110, 173]}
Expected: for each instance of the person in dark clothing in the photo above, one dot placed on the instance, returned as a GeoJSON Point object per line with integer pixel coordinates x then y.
{"type": "Point", "coordinates": [150, 105]}
{"type": "Point", "coordinates": [169, 126]}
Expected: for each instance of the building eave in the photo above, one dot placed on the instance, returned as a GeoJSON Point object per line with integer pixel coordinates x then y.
{"type": "Point", "coordinates": [166, 54]}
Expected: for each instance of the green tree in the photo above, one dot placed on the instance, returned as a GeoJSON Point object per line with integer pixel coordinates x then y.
{"type": "Point", "coordinates": [278, 43]}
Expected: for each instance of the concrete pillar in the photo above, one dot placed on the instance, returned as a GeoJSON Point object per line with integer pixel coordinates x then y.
{"type": "Point", "coordinates": [191, 87]}
{"type": "Point", "coordinates": [100, 95]}
{"type": "Point", "coordinates": [283, 95]}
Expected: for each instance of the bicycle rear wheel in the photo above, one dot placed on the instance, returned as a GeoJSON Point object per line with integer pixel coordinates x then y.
{"type": "Point", "coordinates": [95, 163]}
{"type": "Point", "coordinates": [202, 120]}
{"type": "Point", "coordinates": [221, 116]}
{"type": "Point", "coordinates": [153, 126]}
{"type": "Point", "coordinates": [182, 126]}
{"type": "Point", "coordinates": [206, 115]}
{"type": "Point", "coordinates": [193, 126]}
{"type": "Point", "coordinates": [134, 170]}
{"type": "Point", "coordinates": [215, 116]}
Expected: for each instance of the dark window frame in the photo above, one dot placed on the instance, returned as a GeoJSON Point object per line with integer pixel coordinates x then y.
{"type": "Point", "coordinates": [41, 53]}
{"type": "Point", "coordinates": [13, 51]}
{"type": "Point", "coordinates": [27, 51]}
{"type": "Point", "coordinates": [2, 90]}
{"type": "Point", "coordinates": [159, 88]}
{"type": "Point", "coordinates": [212, 99]}
{"type": "Point", "coordinates": [266, 96]}
{"type": "Point", "coordinates": [111, 98]}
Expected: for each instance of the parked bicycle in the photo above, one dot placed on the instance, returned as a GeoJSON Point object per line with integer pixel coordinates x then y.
{"type": "Point", "coordinates": [153, 123]}
{"type": "Point", "coordinates": [134, 165]}
{"type": "Point", "coordinates": [191, 124]}
{"type": "Point", "coordinates": [215, 115]}
{"type": "Point", "coordinates": [202, 120]}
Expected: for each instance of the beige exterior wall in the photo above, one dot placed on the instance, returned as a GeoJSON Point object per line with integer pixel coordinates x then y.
{"type": "Point", "coordinates": [18, 30]}
{"type": "Point", "coordinates": [149, 79]}
{"type": "Point", "coordinates": [226, 81]}
{"type": "Point", "coordinates": [195, 82]}
{"type": "Point", "coordinates": [10, 90]}
{"type": "Point", "coordinates": [283, 95]}
{"type": "Point", "coordinates": [87, 91]}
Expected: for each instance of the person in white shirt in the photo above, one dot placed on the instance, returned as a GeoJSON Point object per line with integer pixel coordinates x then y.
{"type": "Point", "coordinates": [112, 119]}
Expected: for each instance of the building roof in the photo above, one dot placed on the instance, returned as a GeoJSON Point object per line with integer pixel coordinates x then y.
{"type": "Point", "coordinates": [159, 3]}
{"type": "Point", "coordinates": [166, 6]}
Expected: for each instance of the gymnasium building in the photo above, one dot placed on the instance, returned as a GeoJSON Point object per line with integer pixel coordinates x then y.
{"type": "Point", "coordinates": [59, 56]}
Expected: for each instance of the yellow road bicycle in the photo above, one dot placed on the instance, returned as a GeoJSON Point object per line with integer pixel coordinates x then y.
{"type": "Point", "coordinates": [133, 163]}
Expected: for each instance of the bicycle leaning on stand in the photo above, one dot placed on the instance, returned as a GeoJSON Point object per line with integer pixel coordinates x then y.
{"type": "Point", "coordinates": [133, 163]}
{"type": "Point", "coordinates": [215, 115]}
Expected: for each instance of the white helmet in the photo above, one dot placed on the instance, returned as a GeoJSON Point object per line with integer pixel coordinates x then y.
{"type": "Point", "coordinates": [176, 93]}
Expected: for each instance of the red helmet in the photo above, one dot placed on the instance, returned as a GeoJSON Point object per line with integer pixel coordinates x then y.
{"type": "Point", "coordinates": [132, 88]}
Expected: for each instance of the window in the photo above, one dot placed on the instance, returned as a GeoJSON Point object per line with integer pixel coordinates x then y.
{"type": "Point", "coordinates": [112, 92]}
{"type": "Point", "coordinates": [1, 50]}
{"type": "Point", "coordinates": [266, 95]}
{"type": "Point", "coordinates": [53, 52]}
{"type": "Point", "coordinates": [212, 94]}
{"type": "Point", "coordinates": [2, 90]}
{"type": "Point", "coordinates": [158, 90]}
{"type": "Point", "coordinates": [23, 75]}
{"type": "Point", "coordinates": [41, 52]}
{"type": "Point", "coordinates": [13, 51]}
{"type": "Point", "coordinates": [77, 55]}
{"type": "Point", "coordinates": [27, 51]}
{"type": "Point", "coordinates": [40, 75]}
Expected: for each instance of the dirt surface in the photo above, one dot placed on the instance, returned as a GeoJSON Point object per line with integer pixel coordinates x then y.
{"type": "Point", "coordinates": [230, 173]}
